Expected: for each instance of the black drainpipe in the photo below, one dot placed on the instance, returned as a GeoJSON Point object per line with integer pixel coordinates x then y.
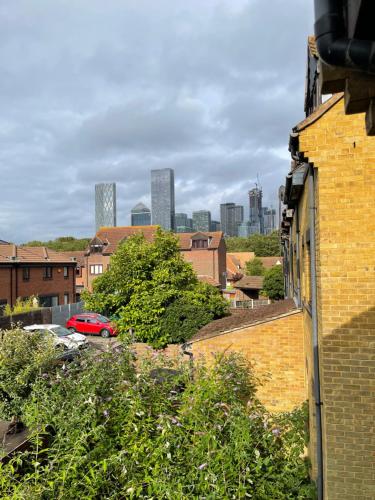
{"type": "Point", "coordinates": [315, 339]}
{"type": "Point", "coordinates": [334, 46]}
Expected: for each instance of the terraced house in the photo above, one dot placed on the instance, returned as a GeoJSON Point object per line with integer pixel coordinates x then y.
{"type": "Point", "coordinates": [206, 251]}
{"type": "Point", "coordinates": [328, 232]}
{"type": "Point", "coordinates": [39, 271]}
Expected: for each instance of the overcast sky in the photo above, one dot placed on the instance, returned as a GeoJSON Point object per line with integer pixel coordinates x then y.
{"type": "Point", "coordinates": [94, 91]}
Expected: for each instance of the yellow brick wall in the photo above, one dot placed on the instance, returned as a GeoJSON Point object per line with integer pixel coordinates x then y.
{"type": "Point", "coordinates": [345, 232]}
{"type": "Point", "coordinates": [276, 349]}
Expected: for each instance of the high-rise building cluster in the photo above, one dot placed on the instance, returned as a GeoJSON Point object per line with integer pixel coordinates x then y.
{"type": "Point", "coordinates": [232, 222]}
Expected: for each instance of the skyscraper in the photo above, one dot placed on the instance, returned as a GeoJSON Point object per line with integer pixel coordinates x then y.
{"type": "Point", "coordinates": [228, 219]}
{"type": "Point", "coordinates": [105, 205]}
{"type": "Point", "coordinates": [140, 215]}
{"type": "Point", "coordinates": [183, 223]}
{"type": "Point", "coordinates": [256, 212]}
{"type": "Point", "coordinates": [215, 225]}
{"type": "Point", "coordinates": [202, 220]}
{"type": "Point", "coordinates": [269, 220]}
{"type": "Point", "coordinates": [162, 198]}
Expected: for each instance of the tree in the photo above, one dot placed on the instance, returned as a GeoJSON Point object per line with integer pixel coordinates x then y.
{"type": "Point", "coordinates": [262, 245]}
{"type": "Point", "coordinates": [61, 244]}
{"type": "Point", "coordinates": [273, 284]}
{"type": "Point", "coordinates": [255, 267]}
{"type": "Point", "coordinates": [144, 279]}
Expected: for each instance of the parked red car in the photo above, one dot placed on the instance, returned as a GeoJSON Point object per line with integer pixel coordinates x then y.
{"type": "Point", "coordinates": [91, 323]}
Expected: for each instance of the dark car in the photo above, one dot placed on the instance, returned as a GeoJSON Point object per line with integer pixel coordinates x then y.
{"type": "Point", "coordinates": [93, 323]}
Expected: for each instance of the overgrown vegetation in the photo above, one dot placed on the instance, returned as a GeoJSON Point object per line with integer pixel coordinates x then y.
{"type": "Point", "coordinates": [273, 284]}
{"type": "Point", "coordinates": [255, 267]}
{"type": "Point", "coordinates": [102, 430]}
{"type": "Point", "coordinates": [62, 244]}
{"type": "Point", "coordinates": [149, 282]}
{"type": "Point", "coordinates": [23, 357]}
{"type": "Point", "coordinates": [22, 306]}
{"type": "Point", "coordinates": [262, 245]}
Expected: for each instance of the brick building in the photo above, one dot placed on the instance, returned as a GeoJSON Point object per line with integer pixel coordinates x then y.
{"type": "Point", "coordinates": [206, 251]}
{"type": "Point", "coordinates": [27, 271]}
{"type": "Point", "coordinates": [329, 240]}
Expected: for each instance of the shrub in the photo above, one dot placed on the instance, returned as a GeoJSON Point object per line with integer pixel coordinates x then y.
{"type": "Point", "coordinates": [22, 306]}
{"type": "Point", "coordinates": [118, 434]}
{"type": "Point", "coordinates": [255, 267]}
{"type": "Point", "coordinates": [273, 284]}
{"type": "Point", "coordinates": [182, 319]}
{"type": "Point", "coordinates": [23, 357]}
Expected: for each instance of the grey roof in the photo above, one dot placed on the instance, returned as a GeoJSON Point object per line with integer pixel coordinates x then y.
{"type": "Point", "coordinates": [140, 207]}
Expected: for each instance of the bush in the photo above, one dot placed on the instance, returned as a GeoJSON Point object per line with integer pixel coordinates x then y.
{"type": "Point", "coordinates": [255, 267]}
{"type": "Point", "coordinates": [118, 434]}
{"type": "Point", "coordinates": [23, 357]}
{"type": "Point", "coordinates": [22, 306]}
{"type": "Point", "coordinates": [273, 284]}
{"type": "Point", "coordinates": [182, 319]}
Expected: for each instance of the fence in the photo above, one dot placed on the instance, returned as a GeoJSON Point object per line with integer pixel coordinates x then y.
{"type": "Point", "coordinates": [249, 304]}
{"type": "Point", "coordinates": [56, 315]}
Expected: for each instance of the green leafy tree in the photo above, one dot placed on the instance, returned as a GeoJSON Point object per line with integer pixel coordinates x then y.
{"type": "Point", "coordinates": [273, 284]}
{"type": "Point", "coordinates": [255, 267]}
{"type": "Point", "coordinates": [144, 279]}
{"type": "Point", "coordinates": [262, 245]}
{"type": "Point", "coordinates": [61, 244]}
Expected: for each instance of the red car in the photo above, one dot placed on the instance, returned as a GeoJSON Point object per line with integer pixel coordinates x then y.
{"type": "Point", "coordinates": [91, 323]}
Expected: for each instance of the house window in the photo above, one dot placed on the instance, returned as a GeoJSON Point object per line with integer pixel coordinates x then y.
{"type": "Point", "coordinates": [47, 273]}
{"type": "Point", "coordinates": [96, 269]}
{"type": "Point", "coordinates": [66, 272]}
{"type": "Point", "coordinates": [49, 300]}
{"type": "Point", "coordinates": [26, 274]}
{"type": "Point", "coordinates": [78, 271]}
{"type": "Point", "coordinates": [199, 244]}
{"type": "Point", "coordinates": [66, 298]}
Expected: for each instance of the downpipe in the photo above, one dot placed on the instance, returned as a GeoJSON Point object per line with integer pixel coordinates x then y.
{"type": "Point", "coordinates": [334, 46]}
{"type": "Point", "coordinates": [315, 339]}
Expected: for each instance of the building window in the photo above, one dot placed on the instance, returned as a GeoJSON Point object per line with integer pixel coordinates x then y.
{"type": "Point", "coordinates": [96, 269]}
{"type": "Point", "coordinates": [3, 303]}
{"type": "Point", "coordinates": [47, 273]}
{"type": "Point", "coordinates": [49, 300]}
{"type": "Point", "coordinates": [78, 271]}
{"type": "Point", "coordinates": [66, 298]}
{"type": "Point", "coordinates": [26, 274]}
{"type": "Point", "coordinates": [199, 244]}
{"type": "Point", "coordinates": [66, 272]}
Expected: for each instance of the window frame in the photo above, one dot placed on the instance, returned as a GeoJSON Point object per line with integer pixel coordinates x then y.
{"type": "Point", "coordinates": [47, 272]}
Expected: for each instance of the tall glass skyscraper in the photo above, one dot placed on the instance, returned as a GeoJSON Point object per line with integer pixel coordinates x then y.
{"type": "Point", "coordinates": [256, 211]}
{"type": "Point", "coordinates": [162, 198]}
{"type": "Point", "coordinates": [228, 219]}
{"type": "Point", "coordinates": [105, 205]}
{"type": "Point", "coordinates": [202, 220]}
{"type": "Point", "coordinates": [140, 215]}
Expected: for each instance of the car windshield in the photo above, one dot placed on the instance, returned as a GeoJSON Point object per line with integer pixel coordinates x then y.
{"type": "Point", "coordinates": [60, 331]}
{"type": "Point", "coordinates": [102, 319]}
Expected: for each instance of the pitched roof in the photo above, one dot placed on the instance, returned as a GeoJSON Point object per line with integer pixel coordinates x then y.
{"type": "Point", "coordinates": [239, 259]}
{"type": "Point", "coordinates": [269, 262]}
{"type": "Point", "coordinates": [112, 236]}
{"type": "Point", "coordinates": [319, 112]}
{"type": "Point", "coordinates": [2, 242]}
{"type": "Point", "coordinates": [242, 318]}
{"type": "Point", "coordinates": [140, 207]}
{"type": "Point", "coordinates": [79, 255]}
{"type": "Point", "coordinates": [185, 239]}
{"type": "Point", "coordinates": [37, 255]}
{"type": "Point", "coordinates": [250, 283]}
{"type": "Point", "coordinates": [208, 279]}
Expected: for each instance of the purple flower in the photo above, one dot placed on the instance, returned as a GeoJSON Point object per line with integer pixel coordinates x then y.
{"type": "Point", "coordinates": [106, 413]}
{"type": "Point", "coordinates": [276, 432]}
{"type": "Point", "coordinates": [202, 466]}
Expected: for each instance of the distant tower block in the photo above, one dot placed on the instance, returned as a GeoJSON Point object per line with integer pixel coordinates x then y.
{"type": "Point", "coordinates": [105, 205]}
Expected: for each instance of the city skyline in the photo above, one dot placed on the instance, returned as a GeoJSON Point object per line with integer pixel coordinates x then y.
{"type": "Point", "coordinates": [180, 106]}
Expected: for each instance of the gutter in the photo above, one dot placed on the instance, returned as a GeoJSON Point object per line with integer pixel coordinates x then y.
{"type": "Point", "coordinates": [334, 46]}
{"type": "Point", "coordinates": [315, 339]}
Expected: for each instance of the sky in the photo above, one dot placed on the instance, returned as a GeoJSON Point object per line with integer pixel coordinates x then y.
{"type": "Point", "coordinates": [104, 91]}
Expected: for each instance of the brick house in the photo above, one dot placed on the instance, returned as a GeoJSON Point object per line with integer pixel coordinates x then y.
{"type": "Point", "coordinates": [205, 251]}
{"type": "Point", "coordinates": [328, 232]}
{"type": "Point", "coordinates": [27, 271]}
{"type": "Point", "coordinates": [79, 256]}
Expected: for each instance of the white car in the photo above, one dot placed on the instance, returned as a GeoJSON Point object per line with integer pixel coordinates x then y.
{"type": "Point", "coordinates": [62, 336]}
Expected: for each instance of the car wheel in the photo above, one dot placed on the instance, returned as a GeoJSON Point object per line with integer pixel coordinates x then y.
{"type": "Point", "coordinates": [72, 329]}
{"type": "Point", "coordinates": [105, 333]}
